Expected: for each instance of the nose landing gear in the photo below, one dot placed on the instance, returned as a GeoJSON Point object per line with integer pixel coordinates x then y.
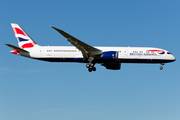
{"type": "Point", "coordinates": [161, 67]}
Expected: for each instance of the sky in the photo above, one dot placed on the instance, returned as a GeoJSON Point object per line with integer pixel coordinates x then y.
{"type": "Point", "coordinates": [38, 90]}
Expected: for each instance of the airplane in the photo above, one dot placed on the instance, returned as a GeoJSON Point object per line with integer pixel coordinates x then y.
{"type": "Point", "coordinates": [109, 57]}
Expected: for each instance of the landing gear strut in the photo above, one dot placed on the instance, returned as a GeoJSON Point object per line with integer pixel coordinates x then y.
{"type": "Point", "coordinates": [161, 67]}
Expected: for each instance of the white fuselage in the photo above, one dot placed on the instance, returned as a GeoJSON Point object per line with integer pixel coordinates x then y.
{"type": "Point", "coordinates": [125, 54]}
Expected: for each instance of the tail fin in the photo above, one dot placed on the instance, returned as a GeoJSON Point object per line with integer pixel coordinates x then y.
{"type": "Point", "coordinates": [24, 41]}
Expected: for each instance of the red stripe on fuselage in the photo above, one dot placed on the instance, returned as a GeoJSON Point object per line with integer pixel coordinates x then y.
{"type": "Point", "coordinates": [156, 50]}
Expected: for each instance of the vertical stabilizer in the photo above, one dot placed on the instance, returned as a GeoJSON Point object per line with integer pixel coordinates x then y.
{"type": "Point", "coordinates": [24, 41]}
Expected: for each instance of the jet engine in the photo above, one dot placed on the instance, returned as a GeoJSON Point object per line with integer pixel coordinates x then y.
{"type": "Point", "coordinates": [112, 66]}
{"type": "Point", "coordinates": [110, 56]}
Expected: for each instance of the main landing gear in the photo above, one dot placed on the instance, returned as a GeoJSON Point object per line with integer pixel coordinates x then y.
{"type": "Point", "coordinates": [161, 67]}
{"type": "Point", "coordinates": [91, 67]}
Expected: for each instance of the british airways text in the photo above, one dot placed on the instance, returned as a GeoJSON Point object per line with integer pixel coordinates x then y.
{"type": "Point", "coordinates": [144, 54]}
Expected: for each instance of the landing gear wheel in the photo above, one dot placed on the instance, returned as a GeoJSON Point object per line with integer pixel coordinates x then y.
{"type": "Point", "coordinates": [161, 68]}
{"type": "Point", "coordinates": [90, 69]}
{"type": "Point", "coordinates": [87, 65]}
{"type": "Point", "coordinates": [91, 64]}
{"type": "Point", "coordinates": [94, 69]}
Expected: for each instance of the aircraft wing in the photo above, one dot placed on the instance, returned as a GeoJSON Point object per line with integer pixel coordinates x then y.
{"type": "Point", "coordinates": [14, 47]}
{"type": "Point", "coordinates": [87, 50]}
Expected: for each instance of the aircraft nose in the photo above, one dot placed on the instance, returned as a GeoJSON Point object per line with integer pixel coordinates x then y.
{"type": "Point", "coordinates": [173, 58]}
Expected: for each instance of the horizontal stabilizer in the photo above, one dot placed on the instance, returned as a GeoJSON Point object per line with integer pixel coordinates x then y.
{"type": "Point", "coordinates": [16, 48]}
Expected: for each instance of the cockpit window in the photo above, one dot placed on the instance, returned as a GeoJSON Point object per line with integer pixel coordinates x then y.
{"type": "Point", "coordinates": [168, 53]}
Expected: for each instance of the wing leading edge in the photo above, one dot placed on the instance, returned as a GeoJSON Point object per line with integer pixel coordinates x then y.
{"type": "Point", "coordinates": [87, 50]}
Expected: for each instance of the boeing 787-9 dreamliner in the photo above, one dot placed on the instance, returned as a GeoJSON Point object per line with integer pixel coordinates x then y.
{"type": "Point", "coordinates": [109, 57]}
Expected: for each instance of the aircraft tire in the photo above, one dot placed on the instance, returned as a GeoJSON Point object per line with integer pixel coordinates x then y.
{"type": "Point", "coordinates": [90, 69]}
{"type": "Point", "coordinates": [91, 64]}
{"type": "Point", "coordinates": [94, 69]}
{"type": "Point", "coordinates": [161, 68]}
{"type": "Point", "coordinates": [87, 65]}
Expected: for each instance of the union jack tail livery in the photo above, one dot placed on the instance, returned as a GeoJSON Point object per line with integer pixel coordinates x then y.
{"type": "Point", "coordinates": [24, 41]}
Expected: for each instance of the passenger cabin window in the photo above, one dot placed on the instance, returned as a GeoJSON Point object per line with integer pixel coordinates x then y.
{"type": "Point", "coordinates": [135, 51]}
{"type": "Point", "coordinates": [65, 50]}
{"type": "Point", "coordinates": [49, 50]}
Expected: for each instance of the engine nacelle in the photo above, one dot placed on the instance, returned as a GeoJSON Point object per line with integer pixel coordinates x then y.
{"type": "Point", "coordinates": [112, 66]}
{"type": "Point", "coordinates": [110, 56]}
